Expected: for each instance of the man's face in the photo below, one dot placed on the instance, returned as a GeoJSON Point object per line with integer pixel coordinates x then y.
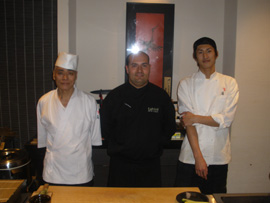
{"type": "Point", "coordinates": [206, 57]}
{"type": "Point", "coordinates": [138, 70]}
{"type": "Point", "coordinates": [64, 79]}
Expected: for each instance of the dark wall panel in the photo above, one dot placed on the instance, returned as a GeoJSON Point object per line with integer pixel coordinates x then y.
{"type": "Point", "coordinates": [28, 50]}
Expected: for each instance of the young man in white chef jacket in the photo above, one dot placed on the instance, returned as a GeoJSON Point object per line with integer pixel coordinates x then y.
{"type": "Point", "coordinates": [207, 104]}
{"type": "Point", "coordinates": [68, 125]}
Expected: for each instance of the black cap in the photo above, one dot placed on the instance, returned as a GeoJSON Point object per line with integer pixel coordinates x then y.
{"type": "Point", "coordinates": [204, 40]}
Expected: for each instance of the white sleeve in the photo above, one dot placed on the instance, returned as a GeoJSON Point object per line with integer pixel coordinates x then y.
{"type": "Point", "coordinates": [95, 128]}
{"type": "Point", "coordinates": [225, 118]}
{"type": "Point", "coordinates": [41, 131]}
{"type": "Point", "coordinates": [184, 97]}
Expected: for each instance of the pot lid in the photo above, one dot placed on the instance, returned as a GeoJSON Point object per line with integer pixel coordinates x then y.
{"type": "Point", "coordinates": [13, 158]}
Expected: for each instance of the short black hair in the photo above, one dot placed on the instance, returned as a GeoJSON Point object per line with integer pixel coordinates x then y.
{"type": "Point", "coordinates": [204, 40]}
{"type": "Point", "coordinates": [132, 54]}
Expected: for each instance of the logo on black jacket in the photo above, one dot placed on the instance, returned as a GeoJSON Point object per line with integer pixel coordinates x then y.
{"type": "Point", "coordinates": [153, 110]}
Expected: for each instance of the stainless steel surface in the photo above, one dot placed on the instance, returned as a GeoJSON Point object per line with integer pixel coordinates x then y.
{"type": "Point", "coordinates": [243, 198]}
{"type": "Point", "coordinates": [13, 158]}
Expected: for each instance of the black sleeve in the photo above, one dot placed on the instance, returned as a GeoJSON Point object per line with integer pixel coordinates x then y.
{"type": "Point", "coordinates": [106, 117]}
{"type": "Point", "coordinates": [169, 124]}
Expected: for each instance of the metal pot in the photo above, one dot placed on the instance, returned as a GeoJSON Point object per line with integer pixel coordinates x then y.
{"type": "Point", "coordinates": [14, 164]}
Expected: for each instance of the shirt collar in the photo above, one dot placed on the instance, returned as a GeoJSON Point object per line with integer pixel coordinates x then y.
{"type": "Point", "coordinates": [200, 75]}
{"type": "Point", "coordinates": [134, 92]}
{"type": "Point", "coordinates": [75, 92]}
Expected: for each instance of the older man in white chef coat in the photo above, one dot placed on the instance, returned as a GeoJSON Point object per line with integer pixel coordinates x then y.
{"type": "Point", "coordinates": [68, 125]}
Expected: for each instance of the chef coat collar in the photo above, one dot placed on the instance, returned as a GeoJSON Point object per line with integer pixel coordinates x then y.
{"type": "Point", "coordinates": [133, 91]}
{"type": "Point", "coordinates": [74, 94]}
{"type": "Point", "coordinates": [200, 75]}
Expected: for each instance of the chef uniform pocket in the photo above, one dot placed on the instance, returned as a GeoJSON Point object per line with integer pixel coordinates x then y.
{"type": "Point", "coordinates": [219, 104]}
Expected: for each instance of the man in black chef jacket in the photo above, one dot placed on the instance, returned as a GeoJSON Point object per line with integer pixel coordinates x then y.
{"type": "Point", "coordinates": [137, 118]}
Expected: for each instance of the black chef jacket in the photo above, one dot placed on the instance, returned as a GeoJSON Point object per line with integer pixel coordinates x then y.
{"type": "Point", "coordinates": [137, 122]}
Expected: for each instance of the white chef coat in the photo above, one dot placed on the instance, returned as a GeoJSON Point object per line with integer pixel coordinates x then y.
{"type": "Point", "coordinates": [216, 97]}
{"type": "Point", "coordinates": [68, 133]}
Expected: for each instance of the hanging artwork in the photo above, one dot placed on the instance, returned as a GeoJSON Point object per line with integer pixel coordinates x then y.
{"type": "Point", "coordinates": [149, 28]}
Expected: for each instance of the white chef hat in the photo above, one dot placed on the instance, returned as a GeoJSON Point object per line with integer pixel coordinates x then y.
{"type": "Point", "coordinates": [67, 61]}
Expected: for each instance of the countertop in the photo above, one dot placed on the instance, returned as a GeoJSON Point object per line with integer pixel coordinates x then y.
{"type": "Point", "coordinates": [116, 195]}
{"type": "Point", "coordinates": [10, 189]}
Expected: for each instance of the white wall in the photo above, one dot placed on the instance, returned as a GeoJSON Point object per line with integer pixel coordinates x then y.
{"type": "Point", "coordinates": [100, 38]}
{"type": "Point", "coordinates": [250, 167]}
{"type": "Point", "coordinates": [63, 25]}
{"type": "Point", "coordinates": [97, 34]}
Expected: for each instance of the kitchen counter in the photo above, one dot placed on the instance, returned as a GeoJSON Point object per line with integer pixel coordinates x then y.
{"type": "Point", "coordinates": [116, 195]}
{"type": "Point", "coordinates": [10, 190]}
